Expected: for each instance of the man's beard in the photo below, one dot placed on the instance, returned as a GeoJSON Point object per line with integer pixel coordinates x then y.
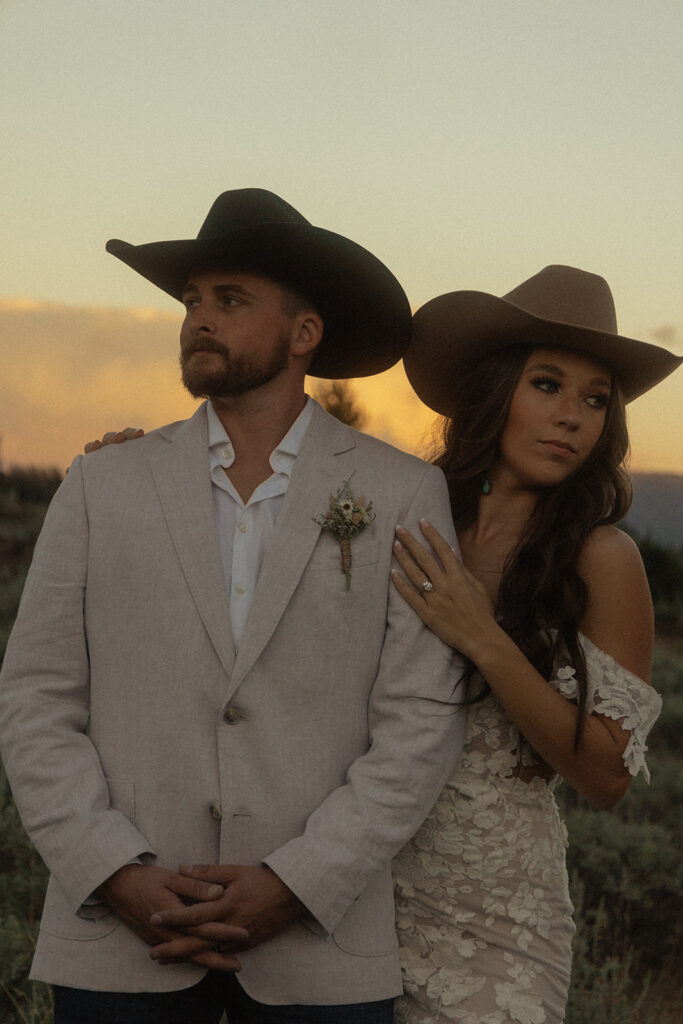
{"type": "Point", "coordinates": [237, 376]}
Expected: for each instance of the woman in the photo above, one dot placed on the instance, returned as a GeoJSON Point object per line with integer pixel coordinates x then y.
{"type": "Point", "coordinates": [551, 607]}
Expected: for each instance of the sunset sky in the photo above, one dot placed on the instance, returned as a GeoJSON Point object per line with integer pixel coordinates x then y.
{"type": "Point", "coordinates": [467, 143]}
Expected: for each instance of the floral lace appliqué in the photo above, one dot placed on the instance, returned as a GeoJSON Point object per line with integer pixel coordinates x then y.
{"type": "Point", "coordinates": [482, 898]}
{"type": "Point", "coordinates": [618, 694]}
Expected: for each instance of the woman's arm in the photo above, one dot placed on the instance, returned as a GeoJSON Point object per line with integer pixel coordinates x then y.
{"type": "Point", "coordinates": [618, 620]}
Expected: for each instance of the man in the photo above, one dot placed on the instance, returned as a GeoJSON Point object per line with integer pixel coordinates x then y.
{"type": "Point", "coordinates": [192, 679]}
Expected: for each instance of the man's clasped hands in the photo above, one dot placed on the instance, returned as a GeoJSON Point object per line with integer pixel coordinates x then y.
{"type": "Point", "coordinates": [202, 914]}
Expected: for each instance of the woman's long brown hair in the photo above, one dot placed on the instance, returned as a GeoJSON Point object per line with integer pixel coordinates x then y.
{"type": "Point", "coordinates": [542, 598]}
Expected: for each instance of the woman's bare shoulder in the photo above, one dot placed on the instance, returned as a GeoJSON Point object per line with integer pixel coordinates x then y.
{"type": "Point", "coordinates": [619, 617]}
{"type": "Point", "coordinates": [609, 544]}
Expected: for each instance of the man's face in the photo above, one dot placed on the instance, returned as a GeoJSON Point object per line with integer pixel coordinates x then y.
{"type": "Point", "coordinates": [235, 336]}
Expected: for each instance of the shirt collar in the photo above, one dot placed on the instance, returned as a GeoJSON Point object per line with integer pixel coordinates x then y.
{"type": "Point", "coordinates": [282, 457]}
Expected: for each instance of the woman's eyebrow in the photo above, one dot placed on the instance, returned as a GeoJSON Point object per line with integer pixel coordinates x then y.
{"type": "Point", "coordinates": [551, 368]}
{"type": "Point", "coordinates": [547, 368]}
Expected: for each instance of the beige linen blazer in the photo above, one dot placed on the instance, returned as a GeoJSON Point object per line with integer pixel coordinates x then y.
{"type": "Point", "coordinates": [130, 725]}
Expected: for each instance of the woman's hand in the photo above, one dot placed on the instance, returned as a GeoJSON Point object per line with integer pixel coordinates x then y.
{"type": "Point", "coordinates": [114, 437]}
{"type": "Point", "coordinates": [456, 607]}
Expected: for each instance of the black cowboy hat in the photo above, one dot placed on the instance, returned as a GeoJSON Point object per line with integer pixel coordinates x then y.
{"type": "Point", "coordinates": [560, 307]}
{"type": "Point", "coordinates": [365, 311]}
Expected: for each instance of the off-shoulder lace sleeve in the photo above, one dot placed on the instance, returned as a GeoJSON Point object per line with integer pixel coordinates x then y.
{"type": "Point", "coordinates": [616, 693]}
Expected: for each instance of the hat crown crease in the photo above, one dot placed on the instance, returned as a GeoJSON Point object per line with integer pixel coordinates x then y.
{"type": "Point", "coordinates": [570, 296]}
{"type": "Point", "coordinates": [247, 208]}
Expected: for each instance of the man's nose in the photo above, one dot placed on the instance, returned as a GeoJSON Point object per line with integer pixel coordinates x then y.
{"type": "Point", "coordinates": [201, 319]}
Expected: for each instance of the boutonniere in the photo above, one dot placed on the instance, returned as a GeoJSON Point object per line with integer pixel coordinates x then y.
{"type": "Point", "coordinates": [345, 519]}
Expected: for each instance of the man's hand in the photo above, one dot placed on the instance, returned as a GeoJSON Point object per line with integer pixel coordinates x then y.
{"type": "Point", "coordinates": [136, 892]}
{"type": "Point", "coordinates": [254, 898]}
{"type": "Point", "coordinates": [114, 437]}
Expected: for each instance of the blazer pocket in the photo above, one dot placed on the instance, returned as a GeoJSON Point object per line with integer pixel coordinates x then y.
{"type": "Point", "coordinates": [60, 921]}
{"type": "Point", "coordinates": [58, 917]}
{"type": "Point", "coordinates": [368, 927]}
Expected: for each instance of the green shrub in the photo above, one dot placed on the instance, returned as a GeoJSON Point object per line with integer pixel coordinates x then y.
{"type": "Point", "coordinates": [23, 878]}
{"type": "Point", "coordinates": [635, 870]}
{"type": "Point", "coordinates": [606, 986]}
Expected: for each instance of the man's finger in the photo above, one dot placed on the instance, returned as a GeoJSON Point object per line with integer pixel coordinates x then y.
{"type": "Point", "coordinates": [195, 889]}
{"type": "Point", "coordinates": [213, 958]}
{"type": "Point", "coordinates": [178, 950]}
{"type": "Point", "coordinates": [92, 446]}
{"type": "Point", "coordinates": [229, 937]}
{"type": "Point", "coordinates": [217, 961]}
{"type": "Point", "coordinates": [226, 937]}
{"type": "Point", "coordinates": [182, 918]}
{"type": "Point", "coordinates": [217, 873]}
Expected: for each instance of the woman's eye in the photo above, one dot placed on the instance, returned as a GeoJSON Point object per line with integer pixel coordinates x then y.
{"type": "Point", "coordinates": [598, 401]}
{"type": "Point", "coordinates": [546, 384]}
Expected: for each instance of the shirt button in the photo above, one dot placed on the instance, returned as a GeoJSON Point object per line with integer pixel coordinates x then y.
{"type": "Point", "coordinates": [232, 716]}
{"type": "Point", "coordinates": [239, 588]}
{"type": "Point", "coordinates": [216, 812]}
{"type": "Point", "coordinates": [243, 527]}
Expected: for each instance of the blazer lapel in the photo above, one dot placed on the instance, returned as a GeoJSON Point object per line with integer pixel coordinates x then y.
{"type": "Point", "coordinates": [323, 458]}
{"type": "Point", "coordinates": [181, 474]}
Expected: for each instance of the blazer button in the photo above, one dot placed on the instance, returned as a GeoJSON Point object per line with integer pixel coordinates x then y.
{"type": "Point", "coordinates": [216, 812]}
{"type": "Point", "coordinates": [232, 716]}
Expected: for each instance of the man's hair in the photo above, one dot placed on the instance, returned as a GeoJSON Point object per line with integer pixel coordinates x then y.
{"type": "Point", "coordinates": [293, 301]}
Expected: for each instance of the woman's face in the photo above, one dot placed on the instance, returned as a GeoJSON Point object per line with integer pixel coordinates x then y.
{"type": "Point", "coordinates": [556, 416]}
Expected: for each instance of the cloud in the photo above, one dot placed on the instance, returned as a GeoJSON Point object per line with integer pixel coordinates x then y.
{"type": "Point", "coordinates": [69, 373]}
{"type": "Point", "coordinates": [72, 372]}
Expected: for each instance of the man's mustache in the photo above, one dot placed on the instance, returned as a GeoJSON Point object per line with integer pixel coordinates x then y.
{"type": "Point", "coordinates": [202, 345]}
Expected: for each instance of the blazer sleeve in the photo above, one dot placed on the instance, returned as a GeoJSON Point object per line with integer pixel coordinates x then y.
{"type": "Point", "coordinates": [52, 766]}
{"type": "Point", "coordinates": [416, 734]}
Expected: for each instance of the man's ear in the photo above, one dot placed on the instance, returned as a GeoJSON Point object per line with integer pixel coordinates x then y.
{"type": "Point", "coordinates": [307, 334]}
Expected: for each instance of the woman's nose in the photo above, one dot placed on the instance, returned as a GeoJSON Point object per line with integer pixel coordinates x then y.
{"type": "Point", "coordinates": [568, 412]}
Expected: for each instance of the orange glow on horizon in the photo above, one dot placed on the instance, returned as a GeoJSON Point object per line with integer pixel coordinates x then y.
{"type": "Point", "coordinates": [71, 373]}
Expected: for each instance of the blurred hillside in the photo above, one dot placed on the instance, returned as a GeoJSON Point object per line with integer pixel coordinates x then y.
{"type": "Point", "coordinates": [657, 509]}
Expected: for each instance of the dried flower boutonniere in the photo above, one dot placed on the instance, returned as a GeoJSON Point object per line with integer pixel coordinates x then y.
{"type": "Point", "coordinates": [345, 519]}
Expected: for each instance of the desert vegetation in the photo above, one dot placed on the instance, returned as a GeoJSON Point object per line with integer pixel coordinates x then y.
{"type": "Point", "coordinates": [625, 865]}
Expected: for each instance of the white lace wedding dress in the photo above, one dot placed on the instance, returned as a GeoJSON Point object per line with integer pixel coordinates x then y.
{"type": "Point", "coordinates": [483, 909]}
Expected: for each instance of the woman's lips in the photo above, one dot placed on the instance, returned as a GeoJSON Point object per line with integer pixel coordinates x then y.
{"type": "Point", "coordinates": [561, 448]}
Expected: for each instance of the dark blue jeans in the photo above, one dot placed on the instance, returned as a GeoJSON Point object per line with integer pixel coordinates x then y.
{"type": "Point", "coordinates": [204, 1004]}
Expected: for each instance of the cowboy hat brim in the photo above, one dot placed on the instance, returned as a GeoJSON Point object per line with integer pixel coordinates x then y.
{"type": "Point", "coordinates": [453, 332]}
{"type": "Point", "coordinates": [365, 311]}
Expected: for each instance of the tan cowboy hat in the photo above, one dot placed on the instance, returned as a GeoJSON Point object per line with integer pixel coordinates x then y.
{"type": "Point", "coordinates": [365, 311]}
{"type": "Point", "coordinates": [560, 307]}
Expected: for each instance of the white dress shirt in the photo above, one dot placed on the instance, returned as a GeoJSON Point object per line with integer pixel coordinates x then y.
{"type": "Point", "coordinates": [244, 531]}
